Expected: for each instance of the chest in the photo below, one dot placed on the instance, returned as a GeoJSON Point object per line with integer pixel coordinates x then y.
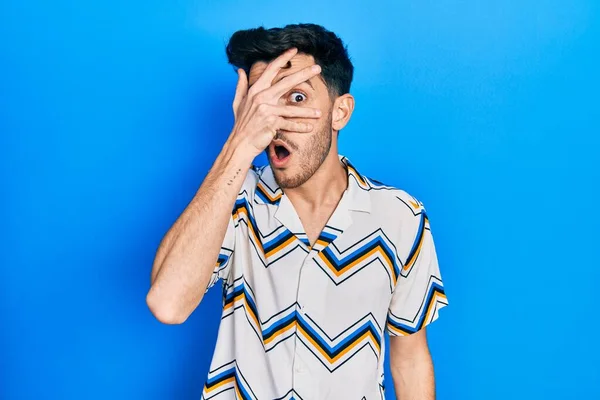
{"type": "Point", "coordinates": [314, 221]}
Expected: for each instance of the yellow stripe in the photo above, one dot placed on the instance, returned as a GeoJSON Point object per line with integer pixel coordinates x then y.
{"type": "Point", "coordinates": [250, 227]}
{"type": "Point", "coordinates": [281, 332]}
{"type": "Point", "coordinates": [237, 391]}
{"type": "Point", "coordinates": [246, 306]}
{"type": "Point", "coordinates": [412, 260]}
{"type": "Point", "coordinates": [266, 193]}
{"type": "Point", "coordinates": [357, 261]}
{"type": "Point", "coordinates": [281, 246]}
{"type": "Point", "coordinates": [236, 298]}
{"type": "Point", "coordinates": [218, 385]}
{"type": "Point", "coordinates": [345, 351]}
{"type": "Point", "coordinates": [431, 303]}
{"type": "Point", "coordinates": [396, 330]}
{"type": "Point", "coordinates": [357, 175]}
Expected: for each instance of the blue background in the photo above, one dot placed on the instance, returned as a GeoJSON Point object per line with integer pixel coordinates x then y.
{"type": "Point", "coordinates": [111, 112]}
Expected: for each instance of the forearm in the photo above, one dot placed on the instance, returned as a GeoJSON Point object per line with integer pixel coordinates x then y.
{"type": "Point", "coordinates": [187, 254]}
{"type": "Point", "coordinates": [414, 378]}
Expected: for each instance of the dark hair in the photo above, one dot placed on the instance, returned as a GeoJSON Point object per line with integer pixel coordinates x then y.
{"type": "Point", "coordinates": [248, 46]}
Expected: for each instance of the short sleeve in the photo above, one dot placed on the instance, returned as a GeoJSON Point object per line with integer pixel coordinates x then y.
{"type": "Point", "coordinates": [224, 261]}
{"type": "Point", "coordinates": [419, 292]}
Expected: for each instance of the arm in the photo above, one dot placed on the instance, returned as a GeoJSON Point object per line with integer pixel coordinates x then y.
{"type": "Point", "coordinates": [187, 254]}
{"type": "Point", "coordinates": [416, 301]}
{"type": "Point", "coordinates": [412, 367]}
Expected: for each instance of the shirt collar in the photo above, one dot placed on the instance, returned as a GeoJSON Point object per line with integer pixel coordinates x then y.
{"type": "Point", "coordinates": [356, 196]}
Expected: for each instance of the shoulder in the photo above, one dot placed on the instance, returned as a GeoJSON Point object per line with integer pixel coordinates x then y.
{"type": "Point", "coordinates": [401, 215]}
{"type": "Point", "coordinates": [252, 179]}
{"type": "Point", "coordinates": [393, 202]}
{"type": "Point", "coordinates": [260, 187]}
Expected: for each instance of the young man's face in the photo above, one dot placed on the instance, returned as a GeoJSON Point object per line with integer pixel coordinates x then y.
{"type": "Point", "coordinates": [307, 151]}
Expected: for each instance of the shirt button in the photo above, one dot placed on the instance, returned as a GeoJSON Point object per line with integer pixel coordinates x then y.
{"type": "Point", "coordinates": [298, 368]}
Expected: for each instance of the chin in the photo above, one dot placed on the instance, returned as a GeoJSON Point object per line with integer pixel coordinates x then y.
{"type": "Point", "coordinates": [288, 179]}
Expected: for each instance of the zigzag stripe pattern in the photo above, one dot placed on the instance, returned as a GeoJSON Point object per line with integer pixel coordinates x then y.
{"type": "Point", "coordinates": [434, 300]}
{"type": "Point", "coordinates": [227, 377]}
{"type": "Point", "coordinates": [374, 247]}
{"type": "Point", "coordinates": [363, 181]}
{"type": "Point", "coordinates": [270, 250]}
{"type": "Point", "coordinates": [332, 352]}
{"type": "Point", "coordinates": [268, 196]}
{"type": "Point", "coordinates": [418, 243]}
{"type": "Point", "coordinates": [327, 235]}
{"type": "Point", "coordinates": [221, 264]}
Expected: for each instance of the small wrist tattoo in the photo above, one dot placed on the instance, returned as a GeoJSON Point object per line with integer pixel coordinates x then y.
{"type": "Point", "coordinates": [235, 176]}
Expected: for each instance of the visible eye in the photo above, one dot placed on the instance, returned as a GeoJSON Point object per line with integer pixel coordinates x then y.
{"type": "Point", "coordinates": [297, 97]}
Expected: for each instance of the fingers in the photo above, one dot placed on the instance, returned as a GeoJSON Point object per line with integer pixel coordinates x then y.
{"type": "Point", "coordinates": [292, 126]}
{"type": "Point", "coordinates": [291, 111]}
{"type": "Point", "coordinates": [240, 90]}
{"type": "Point", "coordinates": [292, 80]}
{"type": "Point", "coordinates": [272, 69]}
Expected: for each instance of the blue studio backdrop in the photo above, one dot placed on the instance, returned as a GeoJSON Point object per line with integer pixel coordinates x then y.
{"type": "Point", "coordinates": [111, 113]}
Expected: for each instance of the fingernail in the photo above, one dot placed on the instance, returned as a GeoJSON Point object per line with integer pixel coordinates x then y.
{"type": "Point", "coordinates": [316, 68]}
{"type": "Point", "coordinates": [318, 113]}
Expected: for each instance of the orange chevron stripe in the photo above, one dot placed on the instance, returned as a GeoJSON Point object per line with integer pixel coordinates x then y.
{"type": "Point", "coordinates": [359, 260]}
{"type": "Point", "coordinates": [281, 246]}
{"type": "Point", "coordinates": [410, 262]}
{"type": "Point", "coordinates": [237, 391]}
{"type": "Point", "coordinates": [396, 331]}
{"type": "Point", "coordinates": [428, 313]}
{"type": "Point", "coordinates": [281, 332]}
{"type": "Point", "coordinates": [266, 192]}
{"type": "Point", "coordinates": [321, 242]}
{"type": "Point", "coordinates": [357, 175]}
{"type": "Point", "coordinates": [250, 226]}
{"type": "Point", "coordinates": [218, 385]}
{"type": "Point", "coordinates": [345, 351]}
{"type": "Point", "coordinates": [430, 307]}
{"type": "Point", "coordinates": [242, 296]}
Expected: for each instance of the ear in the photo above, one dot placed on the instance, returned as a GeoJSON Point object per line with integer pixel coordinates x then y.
{"type": "Point", "coordinates": [342, 111]}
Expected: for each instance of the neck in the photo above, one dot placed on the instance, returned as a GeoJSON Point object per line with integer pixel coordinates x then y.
{"type": "Point", "coordinates": [325, 187]}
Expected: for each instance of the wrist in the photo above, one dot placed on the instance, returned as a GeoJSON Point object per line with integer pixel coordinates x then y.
{"type": "Point", "coordinates": [236, 155]}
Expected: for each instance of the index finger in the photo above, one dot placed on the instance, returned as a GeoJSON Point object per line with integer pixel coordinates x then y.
{"type": "Point", "coordinates": [294, 79]}
{"type": "Point", "coordinates": [264, 81]}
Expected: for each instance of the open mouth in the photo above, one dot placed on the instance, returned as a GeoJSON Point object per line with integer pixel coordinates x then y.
{"type": "Point", "coordinates": [280, 153]}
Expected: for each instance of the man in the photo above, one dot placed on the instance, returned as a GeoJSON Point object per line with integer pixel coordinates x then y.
{"type": "Point", "coordinates": [317, 260]}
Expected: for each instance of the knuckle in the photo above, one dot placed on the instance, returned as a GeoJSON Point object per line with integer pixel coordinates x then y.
{"type": "Point", "coordinates": [271, 119]}
{"type": "Point", "coordinates": [252, 92]}
{"type": "Point", "coordinates": [262, 108]}
{"type": "Point", "coordinates": [260, 97]}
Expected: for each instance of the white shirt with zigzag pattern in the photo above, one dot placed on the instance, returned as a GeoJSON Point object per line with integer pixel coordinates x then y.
{"type": "Point", "coordinates": [304, 323]}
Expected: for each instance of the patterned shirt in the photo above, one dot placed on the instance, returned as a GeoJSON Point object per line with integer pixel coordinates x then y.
{"type": "Point", "coordinates": [302, 322]}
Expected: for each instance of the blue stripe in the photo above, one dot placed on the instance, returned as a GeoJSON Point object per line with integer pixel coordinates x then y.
{"type": "Point", "coordinates": [267, 246]}
{"type": "Point", "coordinates": [279, 323]}
{"type": "Point", "coordinates": [350, 338]}
{"type": "Point", "coordinates": [434, 287]}
{"type": "Point", "coordinates": [328, 236]}
{"type": "Point", "coordinates": [418, 238]}
{"type": "Point", "coordinates": [372, 244]}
